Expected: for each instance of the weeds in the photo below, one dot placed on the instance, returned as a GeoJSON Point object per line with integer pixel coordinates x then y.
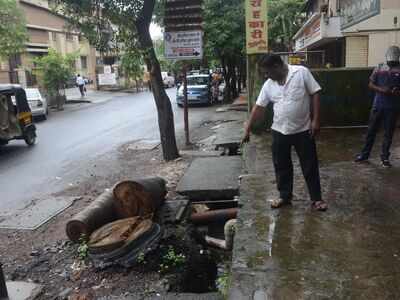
{"type": "Point", "coordinates": [223, 283]}
{"type": "Point", "coordinates": [141, 259]}
{"type": "Point", "coordinates": [172, 260]}
{"type": "Point", "coordinates": [83, 249]}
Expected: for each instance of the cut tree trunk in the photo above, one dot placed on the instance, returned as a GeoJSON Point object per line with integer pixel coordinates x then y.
{"type": "Point", "coordinates": [99, 212]}
{"type": "Point", "coordinates": [163, 104]}
{"type": "Point", "coordinates": [140, 197]}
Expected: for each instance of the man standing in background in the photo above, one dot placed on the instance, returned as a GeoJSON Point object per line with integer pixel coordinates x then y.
{"type": "Point", "coordinates": [385, 82]}
{"type": "Point", "coordinates": [80, 82]}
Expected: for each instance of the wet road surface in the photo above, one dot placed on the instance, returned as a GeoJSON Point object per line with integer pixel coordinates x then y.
{"type": "Point", "coordinates": [352, 251]}
{"type": "Point", "coordinates": [68, 140]}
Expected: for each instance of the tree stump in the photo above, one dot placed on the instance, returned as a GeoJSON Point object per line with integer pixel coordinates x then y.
{"type": "Point", "coordinates": [139, 197]}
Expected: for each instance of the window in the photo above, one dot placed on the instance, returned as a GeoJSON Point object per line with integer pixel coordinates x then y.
{"type": "Point", "coordinates": [198, 80]}
{"type": "Point", "coordinates": [54, 36]}
{"type": "Point", "coordinates": [69, 36]}
{"type": "Point", "coordinates": [84, 62]}
{"type": "Point", "coordinates": [73, 64]}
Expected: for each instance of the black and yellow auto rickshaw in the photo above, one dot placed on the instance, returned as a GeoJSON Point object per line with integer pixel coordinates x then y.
{"type": "Point", "coordinates": [16, 121]}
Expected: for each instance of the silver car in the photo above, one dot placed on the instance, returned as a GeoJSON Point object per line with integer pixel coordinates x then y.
{"type": "Point", "coordinates": [37, 103]}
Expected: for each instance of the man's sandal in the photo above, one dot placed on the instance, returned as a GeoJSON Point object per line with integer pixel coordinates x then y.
{"type": "Point", "coordinates": [319, 206]}
{"type": "Point", "coordinates": [277, 203]}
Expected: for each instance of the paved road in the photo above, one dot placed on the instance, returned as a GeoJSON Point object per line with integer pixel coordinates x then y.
{"type": "Point", "coordinates": [72, 138]}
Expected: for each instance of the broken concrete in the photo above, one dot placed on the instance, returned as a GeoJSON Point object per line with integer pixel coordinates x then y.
{"type": "Point", "coordinates": [211, 178]}
{"type": "Point", "coordinates": [20, 290]}
{"type": "Point", "coordinates": [144, 145]}
{"type": "Point", "coordinates": [229, 135]}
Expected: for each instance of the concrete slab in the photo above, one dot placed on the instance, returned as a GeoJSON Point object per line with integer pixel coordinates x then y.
{"type": "Point", "coordinates": [211, 178]}
{"type": "Point", "coordinates": [144, 145]}
{"type": "Point", "coordinates": [20, 290]}
{"type": "Point", "coordinates": [37, 214]}
{"type": "Point", "coordinates": [201, 153]}
{"type": "Point", "coordinates": [229, 134]}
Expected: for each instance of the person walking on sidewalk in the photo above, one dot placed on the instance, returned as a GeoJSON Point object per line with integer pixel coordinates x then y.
{"type": "Point", "coordinates": [80, 82]}
{"type": "Point", "coordinates": [385, 82]}
{"type": "Point", "coordinates": [294, 93]}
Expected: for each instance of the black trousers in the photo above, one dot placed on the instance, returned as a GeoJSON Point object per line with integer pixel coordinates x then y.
{"type": "Point", "coordinates": [82, 89]}
{"type": "Point", "coordinates": [377, 116]}
{"type": "Point", "coordinates": [304, 144]}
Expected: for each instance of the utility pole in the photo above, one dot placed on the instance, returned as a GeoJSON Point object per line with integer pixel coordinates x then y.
{"type": "Point", "coordinates": [185, 106]}
{"type": "Point", "coordinates": [183, 40]}
{"type": "Point", "coordinates": [256, 45]}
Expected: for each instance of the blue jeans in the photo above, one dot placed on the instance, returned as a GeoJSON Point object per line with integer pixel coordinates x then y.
{"type": "Point", "coordinates": [378, 116]}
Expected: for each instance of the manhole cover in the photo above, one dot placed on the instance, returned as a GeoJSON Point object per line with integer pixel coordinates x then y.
{"type": "Point", "coordinates": [37, 214]}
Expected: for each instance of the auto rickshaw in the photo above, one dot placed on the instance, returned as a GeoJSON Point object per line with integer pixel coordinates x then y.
{"type": "Point", "coordinates": [16, 121]}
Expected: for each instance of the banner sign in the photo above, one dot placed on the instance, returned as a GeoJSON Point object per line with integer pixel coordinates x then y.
{"type": "Point", "coordinates": [107, 79]}
{"type": "Point", "coordinates": [184, 44]}
{"type": "Point", "coordinates": [256, 26]}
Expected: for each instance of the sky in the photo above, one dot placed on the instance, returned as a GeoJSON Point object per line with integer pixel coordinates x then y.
{"type": "Point", "coordinates": [155, 31]}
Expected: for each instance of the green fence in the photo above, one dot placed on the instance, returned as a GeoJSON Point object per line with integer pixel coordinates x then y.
{"type": "Point", "coordinates": [345, 98]}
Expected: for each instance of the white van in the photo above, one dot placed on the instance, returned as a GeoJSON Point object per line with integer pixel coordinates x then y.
{"type": "Point", "coordinates": [168, 79]}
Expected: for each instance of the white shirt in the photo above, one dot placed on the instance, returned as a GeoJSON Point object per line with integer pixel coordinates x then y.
{"type": "Point", "coordinates": [80, 80]}
{"type": "Point", "coordinates": [291, 101]}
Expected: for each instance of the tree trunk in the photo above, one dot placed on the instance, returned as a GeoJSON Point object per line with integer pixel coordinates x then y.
{"type": "Point", "coordinates": [227, 76]}
{"type": "Point", "coordinates": [163, 104]}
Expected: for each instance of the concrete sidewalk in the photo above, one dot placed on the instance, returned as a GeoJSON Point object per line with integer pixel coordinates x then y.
{"type": "Point", "coordinates": [352, 251]}
{"type": "Point", "coordinates": [92, 96]}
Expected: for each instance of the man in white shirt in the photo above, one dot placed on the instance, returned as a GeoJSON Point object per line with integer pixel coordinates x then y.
{"type": "Point", "coordinates": [294, 93]}
{"type": "Point", "coordinates": [80, 82]}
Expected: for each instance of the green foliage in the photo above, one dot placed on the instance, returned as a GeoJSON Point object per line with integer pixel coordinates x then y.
{"type": "Point", "coordinates": [55, 70]}
{"type": "Point", "coordinates": [141, 259]}
{"type": "Point", "coordinates": [13, 34]}
{"type": "Point", "coordinates": [99, 20]}
{"type": "Point", "coordinates": [172, 260]}
{"type": "Point", "coordinates": [83, 248]}
{"type": "Point", "coordinates": [223, 283]}
{"type": "Point", "coordinates": [132, 64]}
{"type": "Point", "coordinates": [284, 19]}
{"type": "Point", "coordinates": [224, 28]}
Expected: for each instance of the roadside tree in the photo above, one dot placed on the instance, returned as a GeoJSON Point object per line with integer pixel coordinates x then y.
{"type": "Point", "coordinates": [132, 66]}
{"type": "Point", "coordinates": [54, 71]}
{"type": "Point", "coordinates": [284, 19]}
{"type": "Point", "coordinates": [225, 40]}
{"type": "Point", "coordinates": [13, 35]}
{"type": "Point", "coordinates": [127, 23]}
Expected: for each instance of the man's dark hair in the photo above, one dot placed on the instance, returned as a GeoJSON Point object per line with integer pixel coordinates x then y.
{"type": "Point", "coordinates": [271, 60]}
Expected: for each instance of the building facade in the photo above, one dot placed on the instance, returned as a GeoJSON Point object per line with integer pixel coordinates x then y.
{"type": "Point", "coordinates": [351, 33]}
{"type": "Point", "coordinates": [46, 30]}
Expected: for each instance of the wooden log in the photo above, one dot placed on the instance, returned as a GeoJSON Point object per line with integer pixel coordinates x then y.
{"type": "Point", "coordinates": [140, 197]}
{"type": "Point", "coordinates": [99, 212]}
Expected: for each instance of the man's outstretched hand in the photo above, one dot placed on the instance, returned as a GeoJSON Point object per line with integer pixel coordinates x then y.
{"type": "Point", "coordinates": [246, 138]}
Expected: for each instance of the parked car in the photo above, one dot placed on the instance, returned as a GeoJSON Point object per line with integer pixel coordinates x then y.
{"type": "Point", "coordinates": [198, 90]}
{"type": "Point", "coordinates": [37, 103]}
{"type": "Point", "coordinates": [168, 80]}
